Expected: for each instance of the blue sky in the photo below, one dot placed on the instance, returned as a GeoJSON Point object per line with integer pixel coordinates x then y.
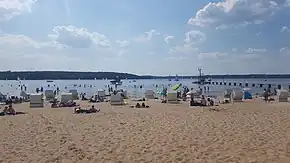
{"type": "Point", "coordinates": [164, 37]}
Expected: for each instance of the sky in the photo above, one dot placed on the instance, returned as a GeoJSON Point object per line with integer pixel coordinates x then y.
{"type": "Point", "coordinates": [152, 37]}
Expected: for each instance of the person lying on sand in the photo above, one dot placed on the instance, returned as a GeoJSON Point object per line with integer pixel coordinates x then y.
{"type": "Point", "coordinates": [78, 109]}
{"type": "Point", "coordinates": [91, 110]}
{"type": "Point", "coordinates": [69, 103]}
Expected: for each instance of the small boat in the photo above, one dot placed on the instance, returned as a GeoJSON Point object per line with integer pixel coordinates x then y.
{"type": "Point", "coordinates": [134, 81]}
{"type": "Point", "coordinates": [49, 81]}
{"type": "Point", "coordinates": [116, 81]}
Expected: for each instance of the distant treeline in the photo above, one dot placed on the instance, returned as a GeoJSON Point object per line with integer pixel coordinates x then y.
{"type": "Point", "coordinates": [69, 75]}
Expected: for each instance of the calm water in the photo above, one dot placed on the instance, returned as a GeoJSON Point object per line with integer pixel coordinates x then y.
{"type": "Point", "coordinates": [83, 86]}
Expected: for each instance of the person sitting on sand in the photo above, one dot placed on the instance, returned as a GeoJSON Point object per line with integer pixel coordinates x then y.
{"type": "Point", "coordinates": [192, 102]}
{"type": "Point", "coordinates": [10, 110]}
{"type": "Point", "coordinates": [5, 110]}
{"type": "Point", "coordinates": [92, 110]}
{"type": "Point", "coordinates": [211, 102]}
{"type": "Point", "coordinates": [203, 101]}
{"type": "Point", "coordinates": [54, 103]}
{"type": "Point", "coordinates": [92, 99]}
{"type": "Point", "coordinates": [144, 106]}
{"type": "Point", "coordinates": [138, 105]}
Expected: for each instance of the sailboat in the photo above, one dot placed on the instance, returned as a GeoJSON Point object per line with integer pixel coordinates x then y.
{"type": "Point", "coordinates": [201, 79]}
{"type": "Point", "coordinates": [176, 78]}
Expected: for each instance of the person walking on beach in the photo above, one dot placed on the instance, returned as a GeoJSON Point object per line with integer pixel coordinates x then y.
{"type": "Point", "coordinates": [266, 95]}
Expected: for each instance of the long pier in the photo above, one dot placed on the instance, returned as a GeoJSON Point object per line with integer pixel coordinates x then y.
{"type": "Point", "coordinates": [249, 85]}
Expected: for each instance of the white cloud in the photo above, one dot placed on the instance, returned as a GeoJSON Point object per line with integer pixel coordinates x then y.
{"type": "Point", "coordinates": [253, 50]}
{"type": "Point", "coordinates": [285, 50]}
{"type": "Point", "coordinates": [18, 52]}
{"type": "Point", "coordinates": [147, 36]}
{"type": "Point", "coordinates": [11, 8]}
{"type": "Point", "coordinates": [232, 15]}
{"type": "Point", "coordinates": [79, 37]}
{"type": "Point", "coordinates": [236, 13]}
{"type": "Point", "coordinates": [23, 53]}
{"type": "Point", "coordinates": [285, 29]}
{"type": "Point", "coordinates": [176, 58]}
{"type": "Point", "coordinates": [287, 3]}
{"type": "Point", "coordinates": [185, 49]}
{"type": "Point", "coordinates": [194, 37]}
{"type": "Point", "coordinates": [121, 53]}
{"type": "Point", "coordinates": [223, 63]}
{"type": "Point", "coordinates": [258, 34]}
{"type": "Point", "coordinates": [85, 49]}
{"type": "Point", "coordinates": [212, 55]}
{"type": "Point", "coordinates": [23, 44]}
{"type": "Point", "coordinates": [252, 56]}
{"type": "Point", "coordinates": [123, 43]}
{"type": "Point", "coordinates": [221, 27]}
{"type": "Point", "coordinates": [168, 38]}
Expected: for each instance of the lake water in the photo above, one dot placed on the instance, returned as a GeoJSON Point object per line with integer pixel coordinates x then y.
{"type": "Point", "coordinates": [83, 86]}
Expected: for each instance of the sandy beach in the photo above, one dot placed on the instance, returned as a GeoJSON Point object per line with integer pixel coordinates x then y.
{"type": "Point", "coordinates": [243, 132]}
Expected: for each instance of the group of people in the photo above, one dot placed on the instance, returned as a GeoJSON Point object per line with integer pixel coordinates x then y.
{"type": "Point", "coordinates": [142, 105]}
{"type": "Point", "coordinates": [96, 98]}
{"type": "Point", "coordinates": [202, 102]}
{"type": "Point", "coordinates": [13, 100]}
{"type": "Point", "coordinates": [8, 110]}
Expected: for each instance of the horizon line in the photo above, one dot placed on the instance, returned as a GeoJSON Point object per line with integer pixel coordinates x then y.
{"type": "Point", "coordinates": [72, 71]}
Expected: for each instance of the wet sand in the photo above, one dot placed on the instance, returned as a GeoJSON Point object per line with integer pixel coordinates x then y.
{"type": "Point", "coordinates": [248, 132]}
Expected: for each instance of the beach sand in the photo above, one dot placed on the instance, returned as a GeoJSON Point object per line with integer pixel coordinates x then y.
{"type": "Point", "coordinates": [244, 132]}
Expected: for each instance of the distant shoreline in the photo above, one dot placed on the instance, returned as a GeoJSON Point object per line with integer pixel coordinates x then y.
{"type": "Point", "coordinates": [74, 75]}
